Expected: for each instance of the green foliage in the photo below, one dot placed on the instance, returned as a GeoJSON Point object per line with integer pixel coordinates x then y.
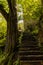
{"type": "Point", "coordinates": [20, 37]}
{"type": "Point", "coordinates": [31, 8]}
{"type": "Point", "coordinates": [17, 62]}
{"type": "Point", "coordinates": [5, 5]}
{"type": "Point", "coordinates": [3, 33]}
{"type": "Point", "coordinates": [2, 57]}
{"type": "Point", "coordinates": [35, 30]}
{"type": "Point", "coordinates": [3, 30]}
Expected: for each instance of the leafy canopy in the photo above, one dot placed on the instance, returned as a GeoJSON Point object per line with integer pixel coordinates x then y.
{"type": "Point", "coordinates": [31, 8]}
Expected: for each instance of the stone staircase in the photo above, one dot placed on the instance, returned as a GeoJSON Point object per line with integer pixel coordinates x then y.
{"type": "Point", "coordinates": [30, 54]}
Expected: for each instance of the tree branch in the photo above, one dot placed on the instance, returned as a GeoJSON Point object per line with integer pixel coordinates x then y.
{"type": "Point", "coordinates": [10, 4]}
{"type": "Point", "coordinates": [4, 13]}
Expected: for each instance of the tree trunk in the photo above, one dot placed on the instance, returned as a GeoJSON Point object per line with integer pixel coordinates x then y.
{"type": "Point", "coordinates": [11, 46]}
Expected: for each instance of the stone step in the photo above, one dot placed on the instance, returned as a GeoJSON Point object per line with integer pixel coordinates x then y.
{"type": "Point", "coordinates": [29, 43]}
{"type": "Point", "coordinates": [37, 62]}
{"type": "Point", "coordinates": [30, 61]}
{"type": "Point", "coordinates": [31, 57]}
{"type": "Point", "coordinates": [28, 48]}
{"type": "Point", "coordinates": [31, 52]}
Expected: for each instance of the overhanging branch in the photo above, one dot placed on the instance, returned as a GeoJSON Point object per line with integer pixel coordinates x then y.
{"type": "Point", "coordinates": [4, 13]}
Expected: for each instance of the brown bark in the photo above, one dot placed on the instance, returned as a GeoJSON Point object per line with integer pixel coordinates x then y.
{"type": "Point", "coordinates": [11, 45]}
{"type": "Point", "coordinates": [3, 12]}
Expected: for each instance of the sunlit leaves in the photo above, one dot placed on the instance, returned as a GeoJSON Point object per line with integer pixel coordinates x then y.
{"type": "Point", "coordinates": [31, 8]}
{"type": "Point", "coordinates": [3, 30]}
{"type": "Point", "coordinates": [5, 5]}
